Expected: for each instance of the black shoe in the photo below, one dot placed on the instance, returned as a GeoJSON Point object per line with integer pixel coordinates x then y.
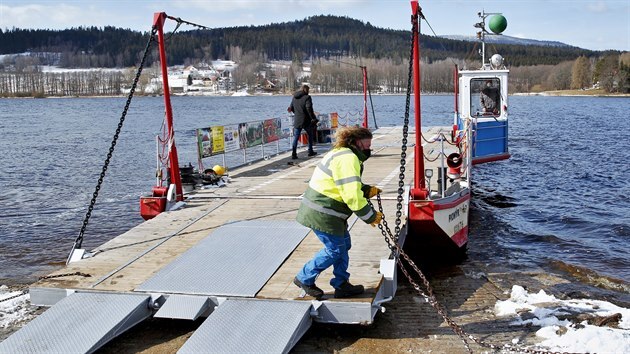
{"type": "Point", "coordinates": [312, 153]}
{"type": "Point", "coordinates": [346, 290]}
{"type": "Point", "coordinates": [294, 156]}
{"type": "Point", "coordinates": [310, 290]}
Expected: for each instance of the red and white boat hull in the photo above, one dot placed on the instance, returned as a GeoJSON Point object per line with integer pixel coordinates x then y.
{"type": "Point", "coordinates": [440, 222]}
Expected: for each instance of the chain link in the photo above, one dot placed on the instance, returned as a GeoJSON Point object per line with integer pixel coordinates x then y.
{"type": "Point", "coordinates": [79, 240]}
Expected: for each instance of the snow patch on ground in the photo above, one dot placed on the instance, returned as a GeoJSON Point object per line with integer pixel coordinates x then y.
{"type": "Point", "coordinates": [563, 327]}
{"type": "Point", "coordinates": [15, 310]}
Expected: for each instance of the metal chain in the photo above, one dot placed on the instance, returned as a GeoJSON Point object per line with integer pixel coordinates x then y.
{"type": "Point", "coordinates": [64, 275]}
{"type": "Point", "coordinates": [79, 240]}
{"type": "Point", "coordinates": [429, 295]}
{"type": "Point", "coordinates": [392, 239]}
{"type": "Point", "coordinates": [432, 160]}
{"type": "Point", "coordinates": [23, 292]}
{"type": "Point", "coordinates": [180, 21]}
{"type": "Point", "coordinates": [403, 148]}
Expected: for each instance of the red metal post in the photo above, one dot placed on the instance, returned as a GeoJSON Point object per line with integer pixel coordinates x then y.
{"type": "Point", "coordinates": [158, 22]}
{"type": "Point", "coordinates": [419, 191]}
{"type": "Point", "coordinates": [365, 110]}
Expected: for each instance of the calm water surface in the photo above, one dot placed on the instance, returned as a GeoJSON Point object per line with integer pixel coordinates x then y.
{"type": "Point", "coordinates": [563, 196]}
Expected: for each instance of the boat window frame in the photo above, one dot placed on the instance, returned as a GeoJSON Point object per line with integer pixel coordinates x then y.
{"type": "Point", "coordinates": [476, 86]}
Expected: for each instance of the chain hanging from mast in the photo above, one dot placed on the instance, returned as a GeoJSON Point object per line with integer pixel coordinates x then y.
{"type": "Point", "coordinates": [155, 30]}
{"type": "Point", "coordinates": [79, 240]}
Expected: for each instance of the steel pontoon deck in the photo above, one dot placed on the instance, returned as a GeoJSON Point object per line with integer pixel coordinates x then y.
{"type": "Point", "coordinates": [238, 244]}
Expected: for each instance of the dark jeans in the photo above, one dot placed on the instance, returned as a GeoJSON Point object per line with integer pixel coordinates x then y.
{"type": "Point", "coordinates": [310, 131]}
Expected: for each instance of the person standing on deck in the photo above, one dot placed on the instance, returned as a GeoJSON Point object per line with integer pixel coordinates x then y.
{"type": "Point", "coordinates": [304, 118]}
{"type": "Point", "coordinates": [334, 192]}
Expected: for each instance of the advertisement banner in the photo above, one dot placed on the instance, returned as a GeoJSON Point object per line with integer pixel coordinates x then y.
{"type": "Point", "coordinates": [334, 120]}
{"type": "Point", "coordinates": [251, 134]}
{"type": "Point", "coordinates": [230, 138]}
{"type": "Point", "coordinates": [272, 130]}
{"type": "Point", "coordinates": [286, 126]}
{"type": "Point", "coordinates": [204, 141]}
{"type": "Point", "coordinates": [218, 144]}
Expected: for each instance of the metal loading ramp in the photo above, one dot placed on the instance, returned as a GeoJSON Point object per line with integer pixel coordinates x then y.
{"type": "Point", "coordinates": [80, 323]}
{"type": "Point", "coordinates": [251, 326]}
{"type": "Point", "coordinates": [235, 260]}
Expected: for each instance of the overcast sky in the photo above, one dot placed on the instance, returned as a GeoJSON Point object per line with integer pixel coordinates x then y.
{"type": "Point", "coordinates": [592, 24]}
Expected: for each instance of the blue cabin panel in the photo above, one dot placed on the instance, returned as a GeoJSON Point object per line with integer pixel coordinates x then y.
{"type": "Point", "coordinates": [490, 139]}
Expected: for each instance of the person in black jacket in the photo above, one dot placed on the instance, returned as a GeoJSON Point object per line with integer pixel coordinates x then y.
{"type": "Point", "coordinates": [304, 118]}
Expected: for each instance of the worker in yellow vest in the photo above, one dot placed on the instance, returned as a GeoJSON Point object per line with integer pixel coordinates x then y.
{"type": "Point", "coordinates": [334, 193]}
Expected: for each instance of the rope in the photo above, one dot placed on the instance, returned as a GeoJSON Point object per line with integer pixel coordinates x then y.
{"type": "Point", "coordinates": [441, 44]}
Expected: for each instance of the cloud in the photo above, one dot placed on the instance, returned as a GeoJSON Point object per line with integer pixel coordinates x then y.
{"type": "Point", "coordinates": [51, 16]}
{"type": "Point", "coordinates": [599, 6]}
{"type": "Point", "coordinates": [218, 6]}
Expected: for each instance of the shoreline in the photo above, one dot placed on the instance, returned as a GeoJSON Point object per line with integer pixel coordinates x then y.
{"type": "Point", "coordinates": [471, 292]}
{"type": "Point", "coordinates": [568, 93]}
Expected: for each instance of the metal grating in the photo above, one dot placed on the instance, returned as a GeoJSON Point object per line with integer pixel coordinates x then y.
{"type": "Point", "coordinates": [251, 326]}
{"type": "Point", "coordinates": [185, 307]}
{"type": "Point", "coordinates": [80, 323]}
{"type": "Point", "coordinates": [235, 260]}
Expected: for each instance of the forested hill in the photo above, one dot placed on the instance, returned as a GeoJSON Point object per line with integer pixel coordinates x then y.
{"type": "Point", "coordinates": [317, 36]}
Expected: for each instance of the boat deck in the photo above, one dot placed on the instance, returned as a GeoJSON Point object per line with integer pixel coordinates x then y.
{"type": "Point", "coordinates": [268, 190]}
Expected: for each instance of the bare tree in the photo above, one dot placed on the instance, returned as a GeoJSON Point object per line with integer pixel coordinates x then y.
{"type": "Point", "coordinates": [581, 73]}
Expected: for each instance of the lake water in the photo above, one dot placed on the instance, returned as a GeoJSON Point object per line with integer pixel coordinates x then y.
{"type": "Point", "coordinates": [563, 197]}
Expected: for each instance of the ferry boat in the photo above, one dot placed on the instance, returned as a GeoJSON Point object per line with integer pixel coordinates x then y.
{"type": "Point", "coordinates": [439, 214]}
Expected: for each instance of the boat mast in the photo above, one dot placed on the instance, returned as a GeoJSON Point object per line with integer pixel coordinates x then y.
{"type": "Point", "coordinates": [158, 21]}
{"type": "Point", "coordinates": [420, 189]}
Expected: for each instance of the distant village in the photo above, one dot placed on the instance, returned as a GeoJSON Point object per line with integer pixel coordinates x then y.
{"type": "Point", "coordinates": [217, 78]}
{"type": "Point", "coordinates": [27, 75]}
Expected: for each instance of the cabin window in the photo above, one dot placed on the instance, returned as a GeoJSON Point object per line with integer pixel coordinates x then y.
{"type": "Point", "coordinates": [485, 97]}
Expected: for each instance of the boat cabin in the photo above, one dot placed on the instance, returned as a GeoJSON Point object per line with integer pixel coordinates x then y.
{"type": "Point", "coordinates": [483, 98]}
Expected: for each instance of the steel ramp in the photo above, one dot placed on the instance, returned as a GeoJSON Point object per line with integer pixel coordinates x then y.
{"type": "Point", "coordinates": [235, 260]}
{"type": "Point", "coordinates": [184, 307]}
{"type": "Point", "coordinates": [251, 326]}
{"type": "Point", "coordinates": [80, 323]}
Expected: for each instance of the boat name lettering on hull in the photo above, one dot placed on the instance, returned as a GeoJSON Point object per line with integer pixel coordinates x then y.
{"type": "Point", "coordinates": [454, 215]}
